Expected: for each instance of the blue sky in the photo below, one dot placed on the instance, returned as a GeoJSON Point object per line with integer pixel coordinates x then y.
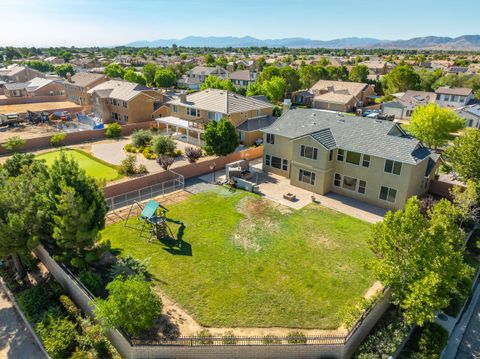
{"type": "Point", "coordinates": [116, 22]}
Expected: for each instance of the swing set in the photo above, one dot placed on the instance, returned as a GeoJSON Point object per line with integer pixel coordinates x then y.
{"type": "Point", "coordinates": [153, 218]}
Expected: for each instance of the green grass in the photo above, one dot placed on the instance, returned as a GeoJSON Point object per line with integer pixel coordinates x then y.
{"type": "Point", "coordinates": [94, 167]}
{"type": "Point", "coordinates": [294, 269]}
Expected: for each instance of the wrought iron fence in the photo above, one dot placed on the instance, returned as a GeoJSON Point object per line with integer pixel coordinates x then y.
{"type": "Point", "coordinates": [171, 185]}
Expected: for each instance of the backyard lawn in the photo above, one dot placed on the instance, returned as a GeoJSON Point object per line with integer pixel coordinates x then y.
{"type": "Point", "coordinates": [246, 261]}
{"type": "Point", "coordinates": [92, 166]}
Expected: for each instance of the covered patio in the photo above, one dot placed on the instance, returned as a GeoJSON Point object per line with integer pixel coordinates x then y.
{"type": "Point", "coordinates": [181, 130]}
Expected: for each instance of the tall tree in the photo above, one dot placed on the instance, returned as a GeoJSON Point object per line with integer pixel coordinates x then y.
{"type": "Point", "coordinates": [165, 78]}
{"type": "Point", "coordinates": [433, 125]}
{"type": "Point", "coordinates": [401, 79]}
{"type": "Point", "coordinates": [275, 88]}
{"type": "Point", "coordinates": [220, 137]}
{"type": "Point", "coordinates": [149, 71]}
{"type": "Point", "coordinates": [420, 258]}
{"type": "Point", "coordinates": [63, 70]}
{"type": "Point", "coordinates": [358, 73]}
{"type": "Point", "coordinates": [292, 80]}
{"type": "Point", "coordinates": [214, 82]}
{"type": "Point", "coordinates": [464, 155]}
{"type": "Point", "coordinates": [133, 76]}
{"type": "Point", "coordinates": [114, 71]}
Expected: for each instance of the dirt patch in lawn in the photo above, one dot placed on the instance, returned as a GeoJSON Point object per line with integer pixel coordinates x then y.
{"type": "Point", "coordinates": [260, 222]}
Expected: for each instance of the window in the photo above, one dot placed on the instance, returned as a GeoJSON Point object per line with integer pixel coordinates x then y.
{"type": "Point", "coordinates": [366, 161]}
{"type": "Point", "coordinates": [125, 118]}
{"type": "Point", "coordinates": [211, 116]}
{"type": "Point", "coordinates": [114, 102]}
{"type": "Point", "coordinates": [388, 194]}
{"type": "Point", "coordinates": [285, 165]}
{"type": "Point", "coordinates": [259, 113]}
{"type": "Point", "coordinates": [175, 108]}
{"type": "Point", "coordinates": [454, 98]}
{"type": "Point", "coordinates": [409, 113]}
{"type": "Point", "coordinates": [276, 162]}
{"type": "Point", "coordinates": [193, 112]}
{"type": "Point", "coordinates": [125, 104]}
{"type": "Point", "coordinates": [446, 98]}
{"type": "Point", "coordinates": [393, 167]}
{"type": "Point", "coordinates": [267, 160]}
{"type": "Point", "coordinates": [330, 155]}
{"type": "Point", "coordinates": [308, 152]}
{"type": "Point", "coordinates": [349, 183]}
{"type": "Point", "coordinates": [306, 176]}
{"type": "Point", "coordinates": [270, 138]}
{"type": "Point", "coordinates": [461, 99]}
{"type": "Point", "coordinates": [353, 157]}
{"type": "Point", "coordinates": [337, 180]}
{"type": "Point", "coordinates": [362, 186]}
{"type": "Point", "coordinates": [340, 155]}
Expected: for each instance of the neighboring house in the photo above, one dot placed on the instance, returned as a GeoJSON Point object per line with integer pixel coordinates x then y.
{"type": "Point", "coordinates": [340, 95]}
{"type": "Point", "coordinates": [248, 115]}
{"type": "Point", "coordinates": [242, 78]}
{"type": "Point", "coordinates": [454, 97]}
{"type": "Point", "coordinates": [16, 73]}
{"type": "Point", "coordinates": [78, 85]}
{"type": "Point", "coordinates": [377, 67]}
{"type": "Point", "coordinates": [37, 87]}
{"type": "Point", "coordinates": [370, 160]}
{"type": "Point", "coordinates": [471, 114]}
{"type": "Point", "coordinates": [54, 60]}
{"type": "Point", "coordinates": [302, 97]}
{"type": "Point", "coordinates": [456, 70]}
{"type": "Point", "coordinates": [404, 106]}
{"type": "Point", "coordinates": [196, 76]}
{"type": "Point", "coordinates": [125, 102]}
{"type": "Point", "coordinates": [241, 65]}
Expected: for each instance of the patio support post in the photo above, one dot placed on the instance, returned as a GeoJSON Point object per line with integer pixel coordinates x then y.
{"type": "Point", "coordinates": [198, 137]}
{"type": "Point", "coordinates": [168, 133]}
{"type": "Point", "coordinates": [188, 135]}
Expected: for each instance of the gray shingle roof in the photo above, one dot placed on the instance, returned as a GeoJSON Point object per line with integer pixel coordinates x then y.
{"type": "Point", "coordinates": [378, 138]}
{"type": "Point", "coordinates": [256, 124]}
{"type": "Point", "coordinates": [325, 137]}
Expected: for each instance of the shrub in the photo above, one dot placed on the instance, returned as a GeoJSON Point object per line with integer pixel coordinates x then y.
{"type": "Point", "coordinates": [114, 130]}
{"type": "Point", "coordinates": [92, 281]}
{"type": "Point", "coordinates": [129, 166]}
{"type": "Point", "coordinates": [432, 341]}
{"type": "Point", "coordinates": [193, 154]}
{"type": "Point", "coordinates": [141, 138]}
{"type": "Point", "coordinates": [130, 148]}
{"type": "Point", "coordinates": [271, 339]}
{"type": "Point", "coordinates": [70, 307]}
{"type": "Point", "coordinates": [205, 337]}
{"type": "Point", "coordinates": [296, 338]}
{"type": "Point", "coordinates": [163, 145]}
{"type": "Point", "coordinates": [178, 153]}
{"type": "Point", "coordinates": [229, 338]}
{"type": "Point", "coordinates": [148, 154]}
{"type": "Point", "coordinates": [165, 162]}
{"type": "Point", "coordinates": [129, 266]}
{"type": "Point", "coordinates": [129, 298]}
{"type": "Point", "coordinates": [14, 143]}
{"type": "Point", "coordinates": [34, 302]}
{"type": "Point", "coordinates": [58, 335]}
{"type": "Point", "coordinates": [57, 139]}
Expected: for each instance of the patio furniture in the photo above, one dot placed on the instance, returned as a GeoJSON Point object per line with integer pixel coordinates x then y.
{"type": "Point", "coordinates": [290, 197]}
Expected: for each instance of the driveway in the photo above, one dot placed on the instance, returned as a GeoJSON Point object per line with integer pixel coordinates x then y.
{"type": "Point", "coordinates": [16, 342]}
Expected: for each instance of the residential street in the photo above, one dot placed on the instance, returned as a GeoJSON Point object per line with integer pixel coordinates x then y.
{"type": "Point", "coordinates": [470, 345]}
{"type": "Point", "coordinates": [16, 342]}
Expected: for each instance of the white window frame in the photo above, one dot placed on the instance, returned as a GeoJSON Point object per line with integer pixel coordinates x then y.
{"type": "Point", "coordinates": [314, 152]}
{"type": "Point", "coordinates": [393, 167]}
{"type": "Point", "coordinates": [270, 138]}
{"type": "Point", "coordinates": [311, 177]}
{"type": "Point", "coordinates": [340, 153]}
{"type": "Point", "coordinates": [388, 194]}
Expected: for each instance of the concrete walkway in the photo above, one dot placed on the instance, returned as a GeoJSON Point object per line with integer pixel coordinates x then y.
{"type": "Point", "coordinates": [16, 342]}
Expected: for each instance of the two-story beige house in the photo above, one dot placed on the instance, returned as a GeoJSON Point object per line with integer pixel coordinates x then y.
{"type": "Point", "coordinates": [17, 73]}
{"type": "Point", "coordinates": [125, 102]}
{"type": "Point", "coordinates": [370, 160]}
{"type": "Point", "coordinates": [249, 115]}
{"type": "Point", "coordinates": [196, 76]}
{"type": "Point", "coordinates": [78, 85]}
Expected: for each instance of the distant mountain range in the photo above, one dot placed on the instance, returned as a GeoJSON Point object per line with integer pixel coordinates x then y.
{"type": "Point", "coordinates": [466, 42]}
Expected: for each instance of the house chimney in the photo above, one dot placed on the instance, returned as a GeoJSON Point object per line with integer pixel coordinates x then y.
{"type": "Point", "coordinates": [183, 97]}
{"type": "Point", "coordinates": [69, 77]}
{"type": "Point", "coordinates": [287, 103]}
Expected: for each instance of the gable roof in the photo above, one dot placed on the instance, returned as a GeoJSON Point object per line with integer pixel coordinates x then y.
{"type": "Point", "coordinates": [378, 138]}
{"type": "Point", "coordinates": [221, 101]}
{"type": "Point", "coordinates": [83, 79]}
{"type": "Point", "coordinates": [413, 98]}
{"type": "Point", "coordinates": [119, 89]}
{"type": "Point", "coordinates": [459, 91]}
{"type": "Point", "coordinates": [243, 75]}
{"type": "Point", "coordinates": [334, 97]}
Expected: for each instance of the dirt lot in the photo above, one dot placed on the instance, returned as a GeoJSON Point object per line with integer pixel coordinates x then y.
{"type": "Point", "coordinates": [27, 131]}
{"type": "Point", "coordinates": [41, 106]}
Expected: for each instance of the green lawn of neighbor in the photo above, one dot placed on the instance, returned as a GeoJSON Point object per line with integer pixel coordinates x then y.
{"type": "Point", "coordinates": [243, 262]}
{"type": "Point", "coordinates": [93, 167]}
